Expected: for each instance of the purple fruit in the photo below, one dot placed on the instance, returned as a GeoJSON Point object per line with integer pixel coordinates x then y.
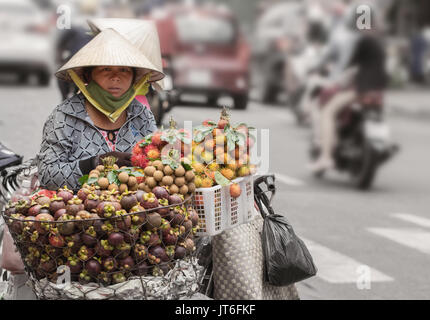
{"type": "Point", "coordinates": [59, 213]}
{"type": "Point", "coordinates": [160, 192]}
{"type": "Point", "coordinates": [142, 269]}
{"type": "Point", "coordinates": [74, 264]}
{"type": "Point", "coordinates": [178, 219]}
{"type": "Point", "coordinates": [89, 237]}
{"type": "Point", "coordinates": [126, 263]}
{"type": "Point", "coordinates": [34, 210]}
{"type": "Point", "coordinates": [149, 238]}
{"type": "Point", "coordinates": [56, 204]}
{"type": "Point", "coordinates": [43, 200]}
{"type": "Point", "coordinates": [188, 225]}
{"type": "Point", "coordinates": [85, 253]}
{"type": "Point", "coordinates": [74, 206]}
{"type": "Point", "coordinates": [175, 199]}
{"type": "Point", "coordinates": [91, 202]}
{"type": "Point", "coordinates": [83, 194]}
{"type": "Point", "coordinates": [128, 201]}
{"type": "Point", "coordinates": [160, 253]}
{"type": "Point", "coordinates": [132, 235]}
{"type": "Point", "coordinates": [110, 264]}
{"type": "Point", "coordinates": [140, 252]}
{"type": "Point", "coordinates": [104, 249]}
{"type": "Point", "coordinates": [153, 221]}
{"type": "Point", "coordinates": [180, 252]}
{"type": "Point", "coordinates": [65, 193]}
{"type": "Point", "coordinates": [16, 225]}
{"type": "Point", "coordinates": [150, 201]}
{"type": "Point", "coordinates": [115, 238]}
{"type": "Point", "coordinates": [93, 267]}
{"type": "Point", "coordinates": [139, 196]}
{"type": "Point", "coordinates": [170, 239]}
{"type": "Point", "coordinates": [122, 251]}
{"type": "Point", "coordinates": [194, 217]}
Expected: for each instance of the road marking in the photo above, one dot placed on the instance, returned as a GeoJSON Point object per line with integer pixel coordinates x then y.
{"type": "Point", "coordinates": [413, 238]}
{"type": "Point", "coordinates": [422, 222]}
{"type": "Point", "coordinates": [289, 181]}
{"type": "Point", "coordinates": [335, 267]}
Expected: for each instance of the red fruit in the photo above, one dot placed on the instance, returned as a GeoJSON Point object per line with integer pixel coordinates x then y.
{"type": "Point", "coordinates": [156, 139]}
{"type": "Point", "coordinates": [56, 240]}
{"type": "Point", "coordinates": [139, 160]}
{"type": "Point", "coordinates": [208, 123]}
{"type": "Point", "coordinates": [235, 190]}
{"type": "Point", "coordinates": [137, 149]}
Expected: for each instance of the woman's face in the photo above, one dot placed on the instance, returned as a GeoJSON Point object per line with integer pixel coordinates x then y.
{"type": "Point", "coordinates": [115, 80]}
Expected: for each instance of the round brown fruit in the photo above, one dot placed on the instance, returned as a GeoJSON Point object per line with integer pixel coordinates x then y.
{"type": "Point", "coordinates": [141, 186]}
{"type": "Point", "coordinates": [183, 190]}
{"type": "Point", "coordinates": [112, 187]}
{"type": "Point", "coordinates": [132, 181]}
{"type": "Point", "coordinates": [151, 182]}
{"type": "Point", "coordinates": [167, 180]}
{"type": "Point", "coordinates": [103, 183]}
{"type": "Point", "coordinates": [123, 177]}
{"type": "Point", "coordinates": [180, 171]}
{"type": "Point", "coordinates": [191, 187]}
{"type": "Point", "coordinates": [235, 190]}
{"type": "Point", "coordinates": [168, 170]}
{"type": "Point", "coordinates": [100, 168]}
{"type": "Point", "coordinates": [149, 171]}
{"type": "Point", "coordinates": [158, 164]}
{"type": "Point", "coordinates": [123, 188]}
{"type": "Point", "coordinates": [180, 181]}
{"type": "Point", "coordinates": [158, 175]}
{"type": "Point", "coordinates": [173, 189]}
{"type": "Point", "coordinates": [189, 175]}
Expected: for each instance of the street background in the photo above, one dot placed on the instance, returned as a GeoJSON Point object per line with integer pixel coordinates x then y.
{"type": "Point", "coordinates": [371, 244]}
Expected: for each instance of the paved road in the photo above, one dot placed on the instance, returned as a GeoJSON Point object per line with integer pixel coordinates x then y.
{"type": "Point", "coordinates": [382, 236]}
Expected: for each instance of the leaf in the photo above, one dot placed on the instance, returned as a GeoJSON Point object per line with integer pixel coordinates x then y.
{"type": "Point", "coordinates": [82, 180]}
{"type": "Point", "coordinates": [187, 166]}
{"type": "Point", "coordinates": [221, 180]}
{"type": "Point", "coordinates": [112, 177]}
{"type": "Point", "coordinates": [92, 180]}
{"type": "Point", "coordinates": [137, 174]}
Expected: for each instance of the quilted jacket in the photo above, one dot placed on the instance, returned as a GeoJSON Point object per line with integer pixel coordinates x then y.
{"type": "Point", "coordinates": [69, 135]}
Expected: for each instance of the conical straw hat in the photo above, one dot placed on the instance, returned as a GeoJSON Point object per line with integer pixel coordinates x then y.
{"type": "Point", "coordinates": [109, 48]}
{"type": "Point", "coordinates": [141, 33]}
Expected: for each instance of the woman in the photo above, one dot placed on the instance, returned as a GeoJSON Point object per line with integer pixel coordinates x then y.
{"type": "Point", "coordinates": [104, 118]}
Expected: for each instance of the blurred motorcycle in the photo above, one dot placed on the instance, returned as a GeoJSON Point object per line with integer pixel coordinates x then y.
{"type": "Point", "coordinates": [364, 140]}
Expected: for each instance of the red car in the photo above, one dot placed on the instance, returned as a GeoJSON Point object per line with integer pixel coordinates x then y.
{"type": "Point", "coordinates": [204, 52]}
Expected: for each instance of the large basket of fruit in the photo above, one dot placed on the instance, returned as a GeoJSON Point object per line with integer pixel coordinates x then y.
{"type": "Point", "coordinates": [103, 243]}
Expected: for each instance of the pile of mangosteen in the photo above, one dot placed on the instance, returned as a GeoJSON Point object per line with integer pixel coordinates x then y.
{"type": "Point", "coordinates": [103, 236]}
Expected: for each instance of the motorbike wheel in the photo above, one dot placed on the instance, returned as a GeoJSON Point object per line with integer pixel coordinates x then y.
{"type": "Point", "coordinates": [241, 101]}
{"type": "Point", "coordinates": [365, 175]}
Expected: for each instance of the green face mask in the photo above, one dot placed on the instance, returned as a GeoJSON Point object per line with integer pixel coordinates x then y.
{"type": "Point", "coordinates": [106, 100]}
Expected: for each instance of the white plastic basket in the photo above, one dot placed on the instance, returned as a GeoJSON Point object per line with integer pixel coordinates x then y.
{"type": "Point", "coordinates": [218, 211]}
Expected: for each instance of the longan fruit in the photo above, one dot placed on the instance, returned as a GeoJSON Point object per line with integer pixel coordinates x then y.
{"type": "Point", "coordinates": [115, 167]}
{"type": "Point", "coordinates": [158, 175]}
{"type": "Point", "coordinates": [158, 164]}
{"type": "Point", "coordinates": [149, 171]}
{"type": "Point", "coordinates": [123, 188]}
{"type": "Point", "coordinates": [95, 172]}
{"type": "Point", "coordinates": [191, 187]}
{"type": "Point", "coordinates": [100, 168]}
{"type": "Point", "coordinates": [123, 177]}
{"type": "Point", "coordinates": [132, 181]}
{"type": "Point", "coordinates": [173, 189]}
{"type": "Point", "coordinates": [147, 189]}
{"type": "Point", "coordinates": [180, 171]}
{"type": "Point", "coordinates": [103, 183]}
{"type": "Point", "coordinates": [134, 188]}
{"type": "Point", "coordinates": [180, 181]}
{"type": "Point", "coordinates": [168, 170]}
{"type": "Point", "coordinates": [141, 186]}
{"type": "Point", "coordinates": [112, 187]}
{"type": "Point", "coordinates": [183, 190]}
{"type": "Point", "coordinates": [189, 175]}
{"type": "Point", "coordinates": [151, 182]}
{"type": "Point", "coordinates": [167, 180]}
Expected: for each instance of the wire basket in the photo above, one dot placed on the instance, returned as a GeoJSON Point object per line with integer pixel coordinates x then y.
{"type": "Point", "coordinates": [219, 211]}
{"type": "Point", "coordinates": [128, 256]}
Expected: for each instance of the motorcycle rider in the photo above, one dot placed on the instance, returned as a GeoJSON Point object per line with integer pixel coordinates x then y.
{"type": "Point", "coordinates": [367, 67]}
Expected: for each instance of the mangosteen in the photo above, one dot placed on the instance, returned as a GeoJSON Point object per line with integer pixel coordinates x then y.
{"type": "Point", "coordinates": [188, 225]}
{"type": "Point", "coordinates": [126, 263]}
{"type": "Point", "coordinates": [175, 199]}
{"type": "Point", "coordinates": [153, 221]}
{"type": "Point", "coordinates": [83, 193]}
{"type": "Point", "coordinates": [104, 278]}
{"type": "Point", "coordinates": [138, 218]}
{"type": "Point", "coordinates": [45, 209]}
{"type": "Point", "coordinates": [59, 213]}
{"type": "Point", "coordinates": [180, 252]}
{"type": "Point", "coordinates": [42, 200]}
{"type": "Point", "coordinates": [118, 277]}
{"type": "Point", "coordinates": [10, 209]}
{"type": "Point", "coordinates": [160, 192]}
{"type": "Point", "coordinates": [84, 277]}
{"type": "Point", "coordinates": [56, 203]}
{"type": "Point", "coordinates": [150, 201]}
{"type": "Point", "coordinates": [29, 226]}
{"type": "Point", "coordinates": [74, 242]}
{"type": "Point", "coordinates": [65, 193]}
{"type": "Point", "coordinates": [89, 237]}
{"type": "Point", "coordinates": [109, 264]}
{"type": "Point", "coordinates": [42, 223]}
{"type": "Point", "coordinates": [159, 252]}
{"type": "Point", "coordinates": [16, 223]}
{"type": "Point", "coordinates": [160, 270]}
{"type": "Point", "coordinates": [74, 264]}
{"type": "Point", "coordinates": [128, 200]}
{"type": "Point", "coordinates": [142, 269]}
{"type": "Point", "coordinates": [170, 239]}
{"type": "Point", "coordinates": [163, 210]}
{"type": "Point", "coordinates": [65, 226]}
{"type": "Point", "coordinates": [47, 264]}
{"type": "Point", "coordinates": [55, 239]}
{"type": "Point", "coordinates": [91, 202]}
{"type": "Point", "coordinates": [121, 251]}
{"type": "Point", "coordinates": [23, 205]}
{"type": "Point", "coordinates": [132, 234]}
{"type": "Point", "coordinates": [139, 196]}
{"type": "Point", "coordinates": [34, 209]}
{"type": "Point", "coordinates": [104, 249]}
{"type": "Point", "coordinates": [194, 217]}
{"type": "Point", "coordinates": [98, 226]}
{"type": "Point", "coordinates": [149, 238]}
{"type": "Point", "coordinates": [106, 209]}
{"type": "Point", "coordinates": [116, 238]}
{"type": "Point", "coordinates": [85, 253]}
{"type": "Point", "coordinates": [93, 267]}
{"type": "Point", "coordinates": [140, 252]}
{"type": "Point", "coordinates": [178, 218]}
{"type": "Point", "coordinates": [189, 245]}
{"type": "Point", "coordinates": [74, 206]}
{"type": "Point", "coordinates": [123, 220]}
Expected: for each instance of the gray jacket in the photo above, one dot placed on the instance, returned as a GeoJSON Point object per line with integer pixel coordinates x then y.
{"type": "Point", "coordinates": [69, 135]}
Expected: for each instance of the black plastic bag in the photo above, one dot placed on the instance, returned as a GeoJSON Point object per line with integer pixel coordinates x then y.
{"type": "Point", "coordinates": [287, 260]}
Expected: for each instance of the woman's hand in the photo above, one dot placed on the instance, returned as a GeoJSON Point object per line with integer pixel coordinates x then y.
{"type": "Point", "coordinates": [123, 158]}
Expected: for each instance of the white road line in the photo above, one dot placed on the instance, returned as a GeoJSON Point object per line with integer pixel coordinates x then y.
{"type": "Point", "coordinates": [289, 181]}
{"type": "Point", "coordinates": [335, 267]}
{"type": "Point", "coordinates": [413, 238]}
{"type": "Point", "coordinates": [420, 221]}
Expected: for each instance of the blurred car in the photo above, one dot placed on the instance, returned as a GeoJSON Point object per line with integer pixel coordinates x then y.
{"type": "Point", "coordinates": [204, 53]}
{"type": "Point", "coordinates": [26, 46]}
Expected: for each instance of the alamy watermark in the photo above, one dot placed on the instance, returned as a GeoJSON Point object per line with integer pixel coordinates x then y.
{"type": "Point", "coordinates": [364, 17]}
{"type": "Point", "coordinates": [364, 280]}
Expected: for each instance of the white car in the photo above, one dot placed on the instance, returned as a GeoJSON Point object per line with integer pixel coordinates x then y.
{"type": "Point", "coordinates": [26, 48]}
